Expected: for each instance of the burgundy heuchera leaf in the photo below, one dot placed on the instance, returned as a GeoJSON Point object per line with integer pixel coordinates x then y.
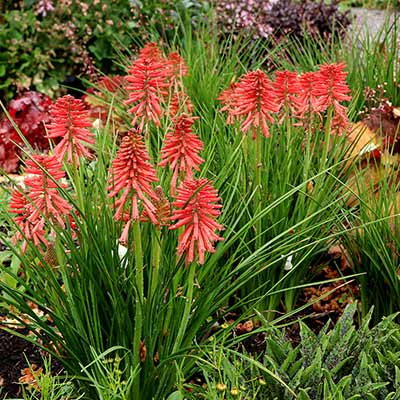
{"type": "Point", "coordinates": [29, 112]}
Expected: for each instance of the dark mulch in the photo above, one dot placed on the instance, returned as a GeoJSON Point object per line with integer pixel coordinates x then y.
{"type": "Point", "coordinates": [14, 356]}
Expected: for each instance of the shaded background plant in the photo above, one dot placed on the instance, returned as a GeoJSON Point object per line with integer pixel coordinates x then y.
{"type": "Point", "coordinates": [29, 112]}
{"type": "Point", "coordinates": [41, 50]}
{"type": "Point", "coordinates": [279, 18]}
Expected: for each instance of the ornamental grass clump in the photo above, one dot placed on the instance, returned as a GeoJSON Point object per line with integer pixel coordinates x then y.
{"type": "Point", "coordinates": [298, 127]}
{"type": "Point", "coordinates": [156, 234]}
{"type": "Point", "coordinates": [91, 211]}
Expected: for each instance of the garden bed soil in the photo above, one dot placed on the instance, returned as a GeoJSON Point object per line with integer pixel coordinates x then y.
{"type": "Point", "coordinates": [17, 354]}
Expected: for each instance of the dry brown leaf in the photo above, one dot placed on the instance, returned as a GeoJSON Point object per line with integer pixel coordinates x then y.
{"type": "Point", "coordinates": [360, 180]}
{"type": "Point", "coordinates": [143, 351]}
{"type": "Point", "coordinates": [396, 112]}
{"type": "Point", "coordinates": [156, 358]}
{"type": "Point", "coordinates": [364, 141]}
{"type": "Point", "coordinates": [246, 327]}
{"type": "Point", "coordinates": [30, 376]}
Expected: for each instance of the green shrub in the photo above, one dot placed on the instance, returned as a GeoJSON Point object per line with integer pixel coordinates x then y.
{"type": "Point", "coordinates": [38, 51]}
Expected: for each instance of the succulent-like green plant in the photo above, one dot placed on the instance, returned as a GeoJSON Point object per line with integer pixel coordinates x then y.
{"type": "Point", "coordinates": [344, 362]}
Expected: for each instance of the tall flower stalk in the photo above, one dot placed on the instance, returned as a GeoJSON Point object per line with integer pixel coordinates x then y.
{"type": "Point", "coordinates": [147, 87]}
{"type": "Point", "coordinates": [181, 150]}
{"type": "Point", "coordinates": [70, 122]}
{"type": "Point", "coordinates": [196, 208]}
{"type": "Point", "coordinates": [252, 100]}
{"type": "Point", "coordinates": [40, 204]}
{"type": "Point", "coordinates": [131, 175]}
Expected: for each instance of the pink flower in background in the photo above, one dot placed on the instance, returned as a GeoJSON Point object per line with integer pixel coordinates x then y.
{"type": "Point", "coordinates": [132, 174]}
{"type": "Point", "coordinates": [147, 83]}
{"type": "Point", "coordinates": [70, 122]}
{"type": "Point", "coordinates": [181, 150]}
{"type": "Point", "coordinates": [43, 7]}
{"type": "Point", "coordinates": [196, 209]}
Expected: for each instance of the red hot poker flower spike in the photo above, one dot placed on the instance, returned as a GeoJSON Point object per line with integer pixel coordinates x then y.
{"type": "Point", "coordinates": [70, 121]}
{"type": "Point", "coordinates": [176, 70]}
{"type": "Point", "coordinates": [132, 174]}
{"type": "Point", "coordinates": [330, 89]}
{"type": "Point", "coordinates": [196, 209]}
{"type": "Point", "coordinates": [147, 83]}
{"type": "Point", "coordinates": [181, 150]}
{"type": "Point", "coordinates": [226, 98]}
{"type": "Point", "coordinates": [306, 102]}
{"type": "Point", "coordinates": [179, 103]}
{"type": "Point", "coordinates": [40, 202]}
{"type": "Point", "coordinates": [254, 99]}
{"type": "Point", "coordinates": [330, 85]}
{"type": "Point", "coordinates": [31, 228]}
{"type": "Point", "coordinates": [286, 88]}
{"type": "Point", "coordinates": [43, 191]}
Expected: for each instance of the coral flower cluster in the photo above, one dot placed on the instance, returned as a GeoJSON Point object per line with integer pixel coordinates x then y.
{"type": "Point", "coordinates": [147, 83]}
{"type": "Point", "coordinates": [132, 175]}
{"type": "Point", "coordinates": [40, 202]}
{"type": "Point", "coordinates": [39, 207]}
{"type": "Point", "coordinates": [155, 90]}
{"type": "Point", "coordinates": [254, 99]}
{"type": "Point", "coordinates": [70, 122]}
{"type": "Point", "coordinates": [196, 208]}
{"type": "Point", "coordinates": [181, 150]}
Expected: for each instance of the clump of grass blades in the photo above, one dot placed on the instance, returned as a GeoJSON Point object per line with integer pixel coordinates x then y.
{"type": "Point", "coordinates": [132, 304]}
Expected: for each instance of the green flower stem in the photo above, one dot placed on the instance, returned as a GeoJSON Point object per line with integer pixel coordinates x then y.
{"type": "Point", "coordinates": [327, 135]}
{"type": "Point", "coordinates": [289, 144]}
{"type": "Point", "coordinates": [139, 302]}
{"type": "Point", "coordinates": [258, 198]}
{"type": "Point", "coordinates": [75, 174]}
{"type": "Point", "coordinates": [156, 261]}
{"type": "Point", "coordinates": [188, 308]}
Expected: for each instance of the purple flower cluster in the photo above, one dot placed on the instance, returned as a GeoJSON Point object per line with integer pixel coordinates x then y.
{"type": "Point", "coordinates": [248, 16]}
{"type": "Point", "coordinates": [44, 7]}
{"type": "Point", "coordinates": [277, 18]}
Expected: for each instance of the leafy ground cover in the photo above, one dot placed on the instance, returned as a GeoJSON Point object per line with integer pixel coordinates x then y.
{"type": "Point", "coordinates": [198, 221]}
